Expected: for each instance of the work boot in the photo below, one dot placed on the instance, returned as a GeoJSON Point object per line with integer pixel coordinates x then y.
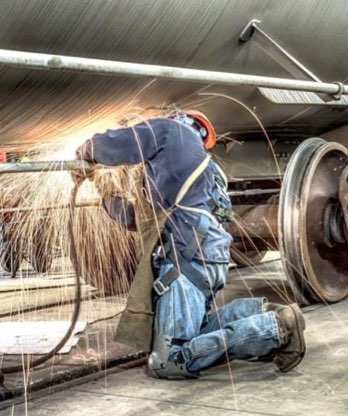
{"type": "Point", "coordinates": [291, 325]}
{"type": "Point", "coordinates": [163, 363]}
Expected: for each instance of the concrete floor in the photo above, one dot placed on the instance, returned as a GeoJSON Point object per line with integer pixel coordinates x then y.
{"type": "Point", "coordinates": [319, 386]}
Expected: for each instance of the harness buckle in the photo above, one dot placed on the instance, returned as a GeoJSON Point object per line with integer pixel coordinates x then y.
{"type": "Point", "coordinates": [159, 287]}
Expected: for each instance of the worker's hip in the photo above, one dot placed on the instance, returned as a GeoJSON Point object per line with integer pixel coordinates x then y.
{"type": "Point", "coordinates": [182, 311]}
{"type": "Point", "coordinates": [212, 275]}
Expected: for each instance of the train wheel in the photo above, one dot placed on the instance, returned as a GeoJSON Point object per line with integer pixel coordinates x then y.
{"type": "Point", "coordinates": [316, 268]}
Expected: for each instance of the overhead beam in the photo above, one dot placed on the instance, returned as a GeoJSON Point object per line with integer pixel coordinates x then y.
{"type": "Point", "coordinates": [117, 68]}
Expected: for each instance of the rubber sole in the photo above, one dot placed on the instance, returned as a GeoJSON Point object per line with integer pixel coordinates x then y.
{"type": "Point", "coordinates": [301, 326]}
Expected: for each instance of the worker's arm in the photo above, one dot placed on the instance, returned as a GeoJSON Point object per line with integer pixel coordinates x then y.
{"type": "Point", "coordinates": [124, 146]}
{"type": "Point", "coordinates": [130, 145]}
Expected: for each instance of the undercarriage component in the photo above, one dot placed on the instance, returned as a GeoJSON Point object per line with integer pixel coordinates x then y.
{"type": "Point", "coordinates": [343, 196]}
{"type": "Point", "coordinates": [315, 265]}
{"type": "Point", "coordinates": [308, 224]}
{"type": "Point", "coordinates": [246, 256]}
{"type": "Point", "coordinates": [255, 223]}
{"type": "Point", "coordinates": [282, 57]}
{"type": "Point", "coordinates": [42, 247]}
{"type": "Point", "coordinates": [10, 251]}
{"type": "Point", "coordinates": [253, 230]}
{"type": "Point", "coordinates": [275, 51]}
{"type": "Point", "coordinates": [10, 257]}
{"type": "Point", "coordinates": [14, 248]}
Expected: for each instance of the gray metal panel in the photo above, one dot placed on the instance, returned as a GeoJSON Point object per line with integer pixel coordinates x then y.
{"type": "Point", "coordinates": [195, 33]}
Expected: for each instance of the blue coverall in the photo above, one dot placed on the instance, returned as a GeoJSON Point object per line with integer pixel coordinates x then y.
{"type": "Point", "coordinates": [171, 151]}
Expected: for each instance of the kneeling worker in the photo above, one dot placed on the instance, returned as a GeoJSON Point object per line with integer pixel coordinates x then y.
{"type": "Point", "coordinates": [186, 255]}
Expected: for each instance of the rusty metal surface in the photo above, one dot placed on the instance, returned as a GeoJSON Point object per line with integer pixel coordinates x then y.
{"type": "Point", "coordinates": [254, 231]}
{"type": "Point", "coordinates": [316, 270]}
{"type": "Point", "coordinates": [255, 222]}
{"type": "Point", "coordinates": [326, 265]}
{"type": "Point", "coordinates": [288, 220]}
{"type": "Point", "coordinates": [196, 34]}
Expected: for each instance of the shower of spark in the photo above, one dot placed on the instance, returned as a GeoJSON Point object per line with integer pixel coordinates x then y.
{"type": "Point", "coordinates": [106, 251]}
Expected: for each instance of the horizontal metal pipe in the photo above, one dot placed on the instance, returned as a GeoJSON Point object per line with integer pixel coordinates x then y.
{"type": "Point", "coordinates": [45, 166]}
{"type": "Point", "coordinates": [84, 204]}
{"type": "Point", "coordinates": [106, 67]}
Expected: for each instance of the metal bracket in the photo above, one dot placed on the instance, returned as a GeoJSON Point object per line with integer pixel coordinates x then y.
{"type": "Point", "coordinates": [248, 31]}
{"type": "Point", "coordinates": [253, 32]}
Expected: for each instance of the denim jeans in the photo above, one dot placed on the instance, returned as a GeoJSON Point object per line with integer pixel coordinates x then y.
{"type": "Point", "coordinates": [238, 330]}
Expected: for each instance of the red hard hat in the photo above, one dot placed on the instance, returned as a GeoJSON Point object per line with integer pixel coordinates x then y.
{"type": "Point", "coordinates": [202, 119]}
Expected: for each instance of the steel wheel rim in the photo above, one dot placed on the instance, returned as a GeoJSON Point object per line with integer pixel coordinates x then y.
{"type": "Point", "coordinates": [331, 284]}
{"type": "Point", "coordinates": [288, 218]}
{"type": "Point", "coordinates": [310, 182]}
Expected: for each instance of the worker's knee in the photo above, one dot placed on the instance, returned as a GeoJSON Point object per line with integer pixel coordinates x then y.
{"type": "Point", "coordinates": [164, 362]}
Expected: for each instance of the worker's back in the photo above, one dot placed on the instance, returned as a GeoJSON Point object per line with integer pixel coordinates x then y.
{"type": "Point", "coordinates": [171, 151]}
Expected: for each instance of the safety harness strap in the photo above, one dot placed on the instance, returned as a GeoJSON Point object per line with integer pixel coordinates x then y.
{"type": "Point", "coordinates": [162, 284]}
{"type": "Point", "coordinates": [194, 276]}
{"type": "Point", "coordinates": [191, 179]}
{"type": "Point", "coordinates": [182, 261]}
{"type": "Point", "coordinates": [198, 236]}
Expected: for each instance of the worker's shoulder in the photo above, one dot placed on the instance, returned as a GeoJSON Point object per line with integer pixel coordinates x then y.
{"type": "Point", "coordinates": [170, 134]}
{"type": "Point", "coordinates": [154, 122]}
{"type": "Point", "coordinates": [164, 124]}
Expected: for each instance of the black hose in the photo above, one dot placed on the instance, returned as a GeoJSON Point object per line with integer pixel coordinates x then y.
{"type": "Point", "coordinates": [76, 312]}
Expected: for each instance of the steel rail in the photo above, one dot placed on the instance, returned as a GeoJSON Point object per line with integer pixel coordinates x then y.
{"type": "Point", "coordinates": [47, 166]}
{"type": "Point", "coordinates": [84, 204]}
{"type": "Point", "coordinates": [117, 68]}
